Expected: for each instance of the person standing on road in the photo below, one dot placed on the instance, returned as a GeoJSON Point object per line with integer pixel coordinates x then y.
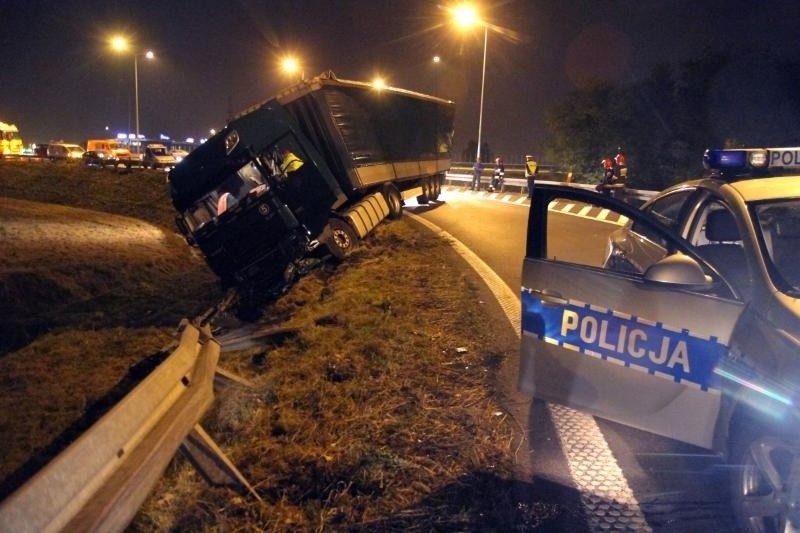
{"type": "Point", "coordinates": [477, 168]}
{"type": "Point", "coordinates": [531, 170]}
{"type": "Point", "coordinates": [499, 175]}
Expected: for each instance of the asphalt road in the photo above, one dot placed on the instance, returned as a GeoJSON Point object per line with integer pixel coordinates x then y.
{"type": "Point", "coordinates": [678, 487]}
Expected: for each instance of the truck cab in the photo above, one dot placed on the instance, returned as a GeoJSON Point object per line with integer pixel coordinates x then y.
{"type": "Point", "coordinates": [252, 197]}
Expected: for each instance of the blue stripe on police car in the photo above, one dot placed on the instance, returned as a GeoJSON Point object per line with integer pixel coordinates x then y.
{"type": "Point", "coordinates": [663, 351]}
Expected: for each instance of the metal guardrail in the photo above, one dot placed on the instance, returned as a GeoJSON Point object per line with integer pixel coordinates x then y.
{"type": "Point", "coordinates": [456, 178]}
{"type": "Point", "coordinates": [100, 481]}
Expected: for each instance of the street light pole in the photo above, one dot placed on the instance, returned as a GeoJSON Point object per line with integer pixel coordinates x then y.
{"type": "Point", "coordinates": [466, 16]}
{"type": "Point", "coordinates": [120, 44]}
{"type": "Point", "coordinates": [483, 85]}
{"type": "Point", "coordinates": [136, 96]}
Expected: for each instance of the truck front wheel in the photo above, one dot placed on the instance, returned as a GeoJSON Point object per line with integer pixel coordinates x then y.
{"type": "Point", "coordinates": [340, 238]}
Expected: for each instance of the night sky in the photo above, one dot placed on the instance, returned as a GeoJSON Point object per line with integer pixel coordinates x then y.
{"type": "Point", "coordinates": [59, 79]}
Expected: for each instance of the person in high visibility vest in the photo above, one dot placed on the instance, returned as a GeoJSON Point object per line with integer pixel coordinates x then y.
{"type": "Point", "coordinates": [608, 174]}
{"type": "Point", "coordinates": [531, 170]}
{"type": "Point", "coordinates": [622, 168]}
{"type": "Point", "coordinates": [290, 162]}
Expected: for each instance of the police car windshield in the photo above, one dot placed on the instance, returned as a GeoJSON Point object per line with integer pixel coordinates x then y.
{"type": "Point", "coordinates": [779, 223]}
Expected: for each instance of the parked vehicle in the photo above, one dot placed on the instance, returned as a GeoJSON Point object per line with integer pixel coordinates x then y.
{"type": "Point", "coordinates": [10, 140]}
{"type": "Point", "coordinates": [112, 151]}
{"type": "Point", "coordinates": [179, 154]}
{"type": "Point", "coordinates": [157, 156]}
{"type": "Point", "coordinates": [64, 152]}
{"type": "Point", "coordinates": [308, 173]}
{"type": "Point", "coordinates": [40, 150]}
{"type": "Point", "coordinates": [681, 318]}
{"type": "Point", "coordinates": [92, 158]}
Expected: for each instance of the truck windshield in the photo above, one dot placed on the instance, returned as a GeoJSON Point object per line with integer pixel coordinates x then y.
{"type": "Point", "coordinates": [779, 223]}
{"type": "Point", "coordinates": [235, 188]}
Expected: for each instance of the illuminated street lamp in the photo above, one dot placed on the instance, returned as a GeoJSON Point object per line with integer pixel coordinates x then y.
{"type": "Point", "coordinates": [436, 60]}
{"type": "Point", "coordinates": [466, 16]}
{"type": "Point", "coordinates": [121, 45]}
{"type": "Point", "coordinates": [291, 66]}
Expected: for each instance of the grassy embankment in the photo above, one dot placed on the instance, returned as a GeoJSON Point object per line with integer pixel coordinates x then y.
{"type": "Point", "coordinates": [381, 413]}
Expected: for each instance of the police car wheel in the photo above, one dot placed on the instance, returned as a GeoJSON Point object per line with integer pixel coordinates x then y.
{"type": "Point", "coordinates": [765, 486]}
{"type": "Point", "coordinates": [340, 239]}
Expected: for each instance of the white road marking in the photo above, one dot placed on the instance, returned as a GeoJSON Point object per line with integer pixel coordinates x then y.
{"type": "Point", "coordinates": [566, 208]}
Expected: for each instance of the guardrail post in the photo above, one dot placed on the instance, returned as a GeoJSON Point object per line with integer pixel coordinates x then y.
{"type": "Point", "coordinates": [212, 463]}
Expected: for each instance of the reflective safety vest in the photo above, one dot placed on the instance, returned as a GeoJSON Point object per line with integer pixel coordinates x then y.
{"type": "Point", "coordinates": [530, 168]}
{"type": "Point", "coordinates": [290, 162]}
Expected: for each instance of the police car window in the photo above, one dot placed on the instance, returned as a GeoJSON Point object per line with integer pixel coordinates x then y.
{"type": "Point", "coordinates": [590, 235]}
{"type": "Point", "coordinates": [580, 233]}
{"type": "Point", "coordinates": [666, 210]}
{"type": "Point", "coordinates": [779, 225]}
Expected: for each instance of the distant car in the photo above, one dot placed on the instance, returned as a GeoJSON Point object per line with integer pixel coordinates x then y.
{"type": "Point", "coordinates": [94, 158]}
{"type": "Point", "coordinates": [64, 152]}
{"type": "Point", "coordinates": [683, 321]}
{"type": "Point", "coordinates": [40, 150]}
{"type": "Point", "coordinates": [157, 156]}
{"type": "Point", "coordinates": [178, 154]}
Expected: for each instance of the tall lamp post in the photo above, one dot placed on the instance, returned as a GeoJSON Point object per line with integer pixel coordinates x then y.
{"type": "Point", "coordinates": [120, 44]}
{"type": "Point", "coordinates": [465, 17]}
{"type": "Point", "coordinates": [436, 66]}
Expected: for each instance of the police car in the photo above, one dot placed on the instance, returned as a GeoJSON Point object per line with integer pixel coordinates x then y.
{"type": "Point", "coordinates": [680, 318]}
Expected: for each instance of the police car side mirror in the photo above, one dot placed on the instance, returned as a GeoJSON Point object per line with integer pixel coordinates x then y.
{"type": "Point", "coordinates": [678, 271]}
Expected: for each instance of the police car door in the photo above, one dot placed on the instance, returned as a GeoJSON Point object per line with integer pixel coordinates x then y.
{"type": "Point", "coordinates": [627, 344]}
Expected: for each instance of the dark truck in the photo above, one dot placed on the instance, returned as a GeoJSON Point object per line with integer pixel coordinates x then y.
{"type": "Point", "coordinates": [303, 175]}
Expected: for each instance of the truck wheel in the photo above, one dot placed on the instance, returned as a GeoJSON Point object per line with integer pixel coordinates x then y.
{"type": "Point", "coordinates": [394, 200]}
{"type": "Point", "coordinates": [340, 239]}
{"type": "Point", "coordinates": [764, 487]}
{"type": "Point", "coordinates": [436, 187]}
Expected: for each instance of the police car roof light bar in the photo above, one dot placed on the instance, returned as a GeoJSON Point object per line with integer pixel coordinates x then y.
{"type": "Point", "coordinates": [730, 163]}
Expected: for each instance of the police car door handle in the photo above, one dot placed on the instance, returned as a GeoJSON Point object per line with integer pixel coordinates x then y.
{"type": "Point", "coordinates": [550, 297]}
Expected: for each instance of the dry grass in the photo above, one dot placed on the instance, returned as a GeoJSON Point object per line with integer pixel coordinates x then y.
{"type": "Point", "coordinates": [379, 414]}
{"type": "Point", "coordinates": [86, 294]}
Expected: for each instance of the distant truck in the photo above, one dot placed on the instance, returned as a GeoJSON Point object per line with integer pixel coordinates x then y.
{"type": "Point", "coordinates": [306, 174]}
{"type": "Point", "coordinates": [112, 151]}
{"type": "Point", "coordinates": [10, 140]}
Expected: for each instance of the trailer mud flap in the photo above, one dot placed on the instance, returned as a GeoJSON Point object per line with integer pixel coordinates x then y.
{"type": "Point", "coordinates": [367, 214]}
